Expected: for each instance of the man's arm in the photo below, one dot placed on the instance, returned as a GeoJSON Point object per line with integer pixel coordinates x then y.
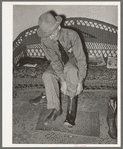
{"type": "Point", "coordinates": [55, 62]}
{"type": "Point", "coordinates": [80, 56]}
{"type": "Point", "coordinates": [58, 68]}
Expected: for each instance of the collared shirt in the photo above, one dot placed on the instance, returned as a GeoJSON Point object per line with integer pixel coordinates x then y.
{"type": "Point", "coordinates": [72, 44]}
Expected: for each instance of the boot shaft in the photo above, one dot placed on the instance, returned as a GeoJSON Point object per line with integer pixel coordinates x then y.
{"type": "Point", "coordinates": [112, 108]}
{"type": "Point", "coordinates": [71, 108]}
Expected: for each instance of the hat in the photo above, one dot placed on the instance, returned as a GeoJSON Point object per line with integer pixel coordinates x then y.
{"type": "Point", "coordinates": [48, 24]}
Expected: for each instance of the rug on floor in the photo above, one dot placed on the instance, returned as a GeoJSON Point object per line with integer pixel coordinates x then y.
{"type": "Point", "coordinates": [87, 118]}
{"type": "Point", "coordinates": [87, 123]}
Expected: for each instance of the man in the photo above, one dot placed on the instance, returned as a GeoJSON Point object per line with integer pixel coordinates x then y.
{"type": "Point", "coordinates": [63, 48]}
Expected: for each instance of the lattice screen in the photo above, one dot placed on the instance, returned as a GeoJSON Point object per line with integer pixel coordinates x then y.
{"type": "Point", "coordinates": [35, 50]}
{"type": "Point", "coordinates": [17, 43]}
{"type": "Point", "coordinates": [96, 49]}
{"type": "Point", "coordinates": [93, 47]}
{"type": "Point", "coordinates": [30, 32]}
{"type": "Point", "coordinates": [101, 49]}
{"type": "Point", "coordinates": [68, 22]}
{"type": "Point", "coordinates": [90, 24]}
{"type": "Point", "coordinates": [18, 57]}
{"type": "Point", "coordinates": [24, 35]}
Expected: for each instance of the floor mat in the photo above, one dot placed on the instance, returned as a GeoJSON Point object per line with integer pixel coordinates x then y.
{"type": "Point", "coordinates": [87, 120]}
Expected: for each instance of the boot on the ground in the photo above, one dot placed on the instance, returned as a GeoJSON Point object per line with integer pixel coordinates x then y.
{"type": "Point", "coordinates": [111, 116]}
{"type": "Point", "coordinates": [52, 116]}
{"type": "Point", "coordinates": [37, 100]}
{"type": "Point", "coordinates": [71, 112]}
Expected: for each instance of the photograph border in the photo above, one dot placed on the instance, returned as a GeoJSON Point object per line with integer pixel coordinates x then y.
{"type": "Point", "coordinates": [6, 73]}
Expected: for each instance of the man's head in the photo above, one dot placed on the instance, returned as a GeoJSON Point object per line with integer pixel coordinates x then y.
{"type": "Point", "coordinates": [49, 25]}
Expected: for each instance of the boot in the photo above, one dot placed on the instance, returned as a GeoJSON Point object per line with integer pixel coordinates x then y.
{"type": "Point", "coordinates": [71, 112]}
{"type": "Point", "coordinates": [111, 119]}
{"type": "Point", "coordinates": [39, 99]}
{"type": "Point", "coordinates": [52, 117]}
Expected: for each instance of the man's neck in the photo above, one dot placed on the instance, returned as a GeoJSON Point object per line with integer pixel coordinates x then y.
{"type": "Point", "coordinates": [59, 35]}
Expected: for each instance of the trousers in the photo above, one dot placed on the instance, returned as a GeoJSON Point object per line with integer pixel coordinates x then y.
{"type": "Point", "coordinates": [52, 84]}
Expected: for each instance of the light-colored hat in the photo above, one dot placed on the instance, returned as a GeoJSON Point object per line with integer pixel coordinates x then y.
{"type": "Point", "coordinates": [48, 24]}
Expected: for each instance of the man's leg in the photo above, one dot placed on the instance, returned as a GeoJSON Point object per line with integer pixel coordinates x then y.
{"type": "Point", "coordinates": [71, 77]}
{"type": "Point", "coordinates": [52, 93]}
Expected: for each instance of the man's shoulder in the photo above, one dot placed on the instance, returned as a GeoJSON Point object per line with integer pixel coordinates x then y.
{"type": "Point", "coordinates": [69, 31]}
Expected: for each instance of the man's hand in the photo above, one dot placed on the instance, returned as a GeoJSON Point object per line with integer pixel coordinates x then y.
{"type": "Point", "coordinates": [64, 87]}
{"type": "Point", "coordinates": [79, 88]}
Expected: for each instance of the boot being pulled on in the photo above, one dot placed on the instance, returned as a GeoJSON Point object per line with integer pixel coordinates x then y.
{"type": "Point", "coordinates": [71, 112]}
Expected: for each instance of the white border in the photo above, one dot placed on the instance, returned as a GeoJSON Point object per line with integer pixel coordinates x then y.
{"type": "Point", "coordinates": [7, 39]}
{"type": "Point", "coordinates": [64, 3]}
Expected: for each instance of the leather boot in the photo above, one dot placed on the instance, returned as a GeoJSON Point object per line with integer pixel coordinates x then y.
{"type": "Point", "coordinates": [52, 116]}
{"type": "Point", "coordinates": [41, 99]}
{"type": "Point", "coordinates": [71, 112]}
{"type": "Point", "coordinates": [111, 119]}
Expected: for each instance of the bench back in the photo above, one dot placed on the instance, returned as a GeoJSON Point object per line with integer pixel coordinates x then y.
{"type": "Point", "coordinates": [99, 38]}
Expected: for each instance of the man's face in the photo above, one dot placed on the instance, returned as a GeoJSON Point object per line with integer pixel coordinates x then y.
{"type": "Point", "coordinates": [55, 34]}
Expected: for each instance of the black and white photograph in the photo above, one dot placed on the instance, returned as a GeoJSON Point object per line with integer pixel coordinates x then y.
{"type": "Point", "coordinates": [61, 76]}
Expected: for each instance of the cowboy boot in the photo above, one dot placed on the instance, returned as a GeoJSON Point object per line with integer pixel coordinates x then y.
{"type": "Point", "coordinates": [71, 112]}
{"type": "Point", "coordinates": [111, 119]}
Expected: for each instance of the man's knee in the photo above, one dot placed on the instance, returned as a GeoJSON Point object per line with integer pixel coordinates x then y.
{"type": "Point", "coordinates": [70, 69]}
{"type": "Point", "coordinates": [46, 75]}
{"type": "Point", "coordinates": [71, 74]}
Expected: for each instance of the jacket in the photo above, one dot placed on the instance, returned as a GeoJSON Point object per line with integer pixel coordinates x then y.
{"type": "Point", "coordinates": [72, 44]}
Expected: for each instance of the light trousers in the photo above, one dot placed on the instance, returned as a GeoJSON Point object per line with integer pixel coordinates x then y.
{"type": "Point", "coordinates": [51, 82]}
